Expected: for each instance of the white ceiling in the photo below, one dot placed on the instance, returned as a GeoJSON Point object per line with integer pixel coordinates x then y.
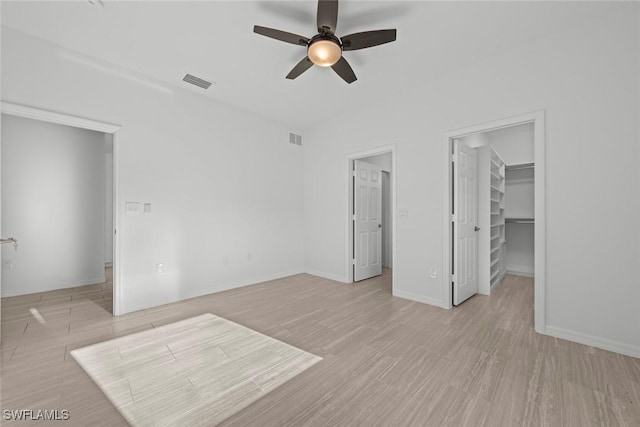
{"type": "Point", "coordinates": [214, 40]}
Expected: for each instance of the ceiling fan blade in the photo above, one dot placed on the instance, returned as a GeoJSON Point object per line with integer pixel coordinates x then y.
{"type": "Point", "coordinates": [327, 16]}
{"type": "Point", "coordinates": [281, 35]}
{"type": "Point", "coordinates": [367, 39]}
{"type": "Point", "coordinates": [344, 70]}
{"type": "Point", "coordinates": [302, 66]}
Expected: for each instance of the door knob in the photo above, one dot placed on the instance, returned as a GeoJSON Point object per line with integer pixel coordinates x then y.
{"type": "Point", "coordinates": [379, 225]}
{"type": "Point", "coordinates": [476, 228]}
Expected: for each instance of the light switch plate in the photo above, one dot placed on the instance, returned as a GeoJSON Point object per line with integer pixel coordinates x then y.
{"type": "Point", "coordinates": [147, 208]}
{"type": "Point", "coordinates": [132, 208]}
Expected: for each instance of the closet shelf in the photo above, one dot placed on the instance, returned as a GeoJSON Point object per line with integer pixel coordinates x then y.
{"type": "Point", "coordinates": [520, 166]}
{"type": "Point", "coordinates": [520, 220]}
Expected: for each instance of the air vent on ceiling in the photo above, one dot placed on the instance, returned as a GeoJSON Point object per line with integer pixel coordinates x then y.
{"type": "Point", "coordinates": [295, 139]}
{"type": "Point", "coordinates": [197, 81]}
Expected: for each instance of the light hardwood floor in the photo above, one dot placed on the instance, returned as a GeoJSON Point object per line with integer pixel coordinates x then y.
{"type": "Point", "coordinates": [387, 361]}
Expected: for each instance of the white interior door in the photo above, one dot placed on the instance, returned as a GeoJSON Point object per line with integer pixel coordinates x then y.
{"type": "Point", "coordinates": [367, 218]}
{"type": "Point", "coordinates": [465, 222]}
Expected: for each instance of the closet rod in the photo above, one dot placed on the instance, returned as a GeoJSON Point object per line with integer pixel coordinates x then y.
{"type": "Point", "coordinates": [520, 220]}
{"type": "Point", "coordinates": [520, 166]}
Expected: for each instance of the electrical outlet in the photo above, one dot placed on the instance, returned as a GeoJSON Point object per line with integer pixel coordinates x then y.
{"type": "Point", "coordinates": [159, 268]}
{"type": "Point", "coordinates": [433, 273]}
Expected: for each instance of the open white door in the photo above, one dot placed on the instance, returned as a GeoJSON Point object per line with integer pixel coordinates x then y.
{"type": "Point", "coordinates": [465, 222]}
{"type": "Point", "coordinates": [367, 220]}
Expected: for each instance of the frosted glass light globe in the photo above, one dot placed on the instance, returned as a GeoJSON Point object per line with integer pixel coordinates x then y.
{"type": "Point", "coordinates": [324, 53]}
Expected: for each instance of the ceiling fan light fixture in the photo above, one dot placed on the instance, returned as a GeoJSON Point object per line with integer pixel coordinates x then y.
{"type": "Point", "coordinates": [324, 53]}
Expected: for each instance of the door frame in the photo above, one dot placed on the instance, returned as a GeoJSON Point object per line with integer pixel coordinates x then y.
{"type": "Point", "coordinates": [349, 219]}
{"type": "Point", "coordinates": [89, 124]}
{"type": "Point", "coordinates": [538, 120]}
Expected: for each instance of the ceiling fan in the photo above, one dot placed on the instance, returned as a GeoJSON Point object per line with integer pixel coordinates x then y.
{"type": "Point", "coordinates": [325, 48]}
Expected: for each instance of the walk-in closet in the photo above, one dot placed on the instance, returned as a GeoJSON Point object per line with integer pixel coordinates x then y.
{"type": "Point", "coordinates": [505, 218]}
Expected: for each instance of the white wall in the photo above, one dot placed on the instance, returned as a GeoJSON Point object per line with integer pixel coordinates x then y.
{"type": "Point", "coordinates": [385, 161]}
{"type": "Point", "coordinates": [108, 203]}
{"type": "Point", "coordinates": [580, 77]}
{"type": "Point", "coordinates": [519, 203]}
{"type": "Point", "coordinates": [515, 144]}
{"type": "Point", "coordinates": [53, 203]}
{"type": "Point", "coordinates": [224, 184]}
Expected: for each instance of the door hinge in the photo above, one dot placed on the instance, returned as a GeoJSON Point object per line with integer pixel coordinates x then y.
{"type": "Point", "coordinates": [353, 262]}
{"type": "Point", "coordinates": [453, 278]}
{"type": "Point", "coordinates": [353, 217]}
{"type": "Point", "coordinates": [454, 158]}
{"type": "Point", "coordinates": [353, 173]}
{"type": "Point", "coordinates": [454, 217]}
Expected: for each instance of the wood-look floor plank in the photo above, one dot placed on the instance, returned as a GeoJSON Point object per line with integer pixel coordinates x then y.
{"type": "Point", "coordinates": [387, 361]}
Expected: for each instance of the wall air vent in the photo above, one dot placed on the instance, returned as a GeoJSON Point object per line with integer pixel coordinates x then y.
{"type": "Point", "coordinates": [295, 139]}
{"type": "Point", "coordinates": [197, 81]}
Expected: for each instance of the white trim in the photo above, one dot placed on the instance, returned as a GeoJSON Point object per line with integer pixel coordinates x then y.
{"type": "Point", "coordinates": [520, 273]}
{"type": "Point", "coordinates": [392, 148]}
{"type": "Point", "coordinates": [84, 123]}
{"type": "Point", "coordinates": [419, 298]}
{"type": "Point", "coordinates": [67, 284]}
{"type": "Point", "coordinates": [225, 287]}
{"type": "Point", "coordinates": [590, 340]}
{"type": "Point", "coordinates": [58, 118]}
{"type": "Point", "coordinates": [329, 276]}
{"type": "Point", "coordinates": [538, 119]}
{"type": "Point", "coordinates": [118, 260]}
{"type": "Point", "coordinates": [255, 280]}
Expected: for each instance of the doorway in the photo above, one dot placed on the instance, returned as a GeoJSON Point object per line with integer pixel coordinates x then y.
{"type": "Point", "coordinates": [367, 257]}
{"type": "Point", "coordinates": [74, 180]}
{"type": "Point", "coordinates": [495, 170]}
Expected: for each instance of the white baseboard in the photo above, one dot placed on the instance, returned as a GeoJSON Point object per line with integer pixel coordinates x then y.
{"type": "Point", "coordinates": [219, 288]}
{"type": "Point", "coordinates": [256, 280]}
{"type": "Point", "coordinates": [590, 340]}
{"type": "Point", "coordinates": [419, 298]}
{"type": "Point", "coordinates": [520, 273]}
{"type": "Point", "coordinates": [329, 276]}
{"type": "Point", "coordinates": [54, 286]}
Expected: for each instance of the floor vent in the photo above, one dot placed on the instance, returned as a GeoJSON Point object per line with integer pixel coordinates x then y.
{"type": "Point", "coordinates": [295, 139]}
{"type": "Point", "coordinates": [197, 81]}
